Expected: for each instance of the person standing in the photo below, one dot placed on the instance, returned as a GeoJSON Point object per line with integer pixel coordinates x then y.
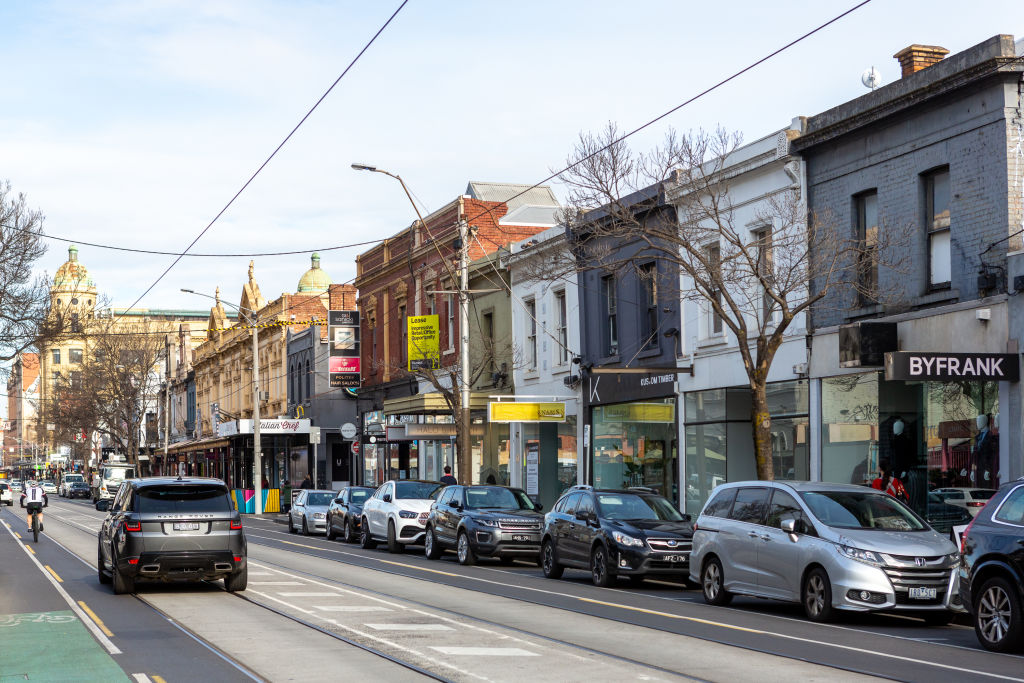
{"type": "Point", "coordinates": [448, 479]}
{"type": "Point", "coordinates": [890, 483]}
{"type": "Point", "coordinates": [306, 483]}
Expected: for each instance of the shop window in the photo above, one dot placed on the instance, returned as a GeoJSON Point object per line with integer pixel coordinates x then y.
{"type": "Point", "coordinates": [609, 305]}
{"type": "Point", "coordinates": [765, 271]}
{"type": "Point", "coordinates": [936, 198]}
{"type": "Point", "coordinates": [563, 327]}
{"type": "Point", "coordinates": [530, 352]}
{"type": "Point", "coordinates": [866, 211]}
{"type": "Point", "coordinates": [449, 305]}
{"type": "Point", "coordinates": [648, 276]}
{"type": "Point", "coordinates": [634, 445]}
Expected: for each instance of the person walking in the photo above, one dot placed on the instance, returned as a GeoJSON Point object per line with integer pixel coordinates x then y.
{"type": "Point", "coordinates": [890, 483]}
{"type": "Point", "coordinates": [448, 479]}
{"type": "Point", "coordinates": [306, 483]}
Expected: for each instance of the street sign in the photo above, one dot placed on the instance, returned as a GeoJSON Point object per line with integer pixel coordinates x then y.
{"type": "Point", "coordinates": [355, 448]}
{"type": "Point", "coordinates": [314, 435]}
{"type": "Point", "coordinates": [343, 335]}
{"type": "Point", "coordinates": [348, 430]}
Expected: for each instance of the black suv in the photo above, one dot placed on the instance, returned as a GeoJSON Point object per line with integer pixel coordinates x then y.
{"type": "Point", "coordinates": [484, 521]}
{"type": "Point", "coordinates": [344, 513]}
{"type": "Point", "coordinates": [992, 570]}
{"type": "Point", "coordinates": [77, 489]}
{"type": "Point", "coordinates": [632, 532]}
{"type": "Point", "coordinates": [171, 530]}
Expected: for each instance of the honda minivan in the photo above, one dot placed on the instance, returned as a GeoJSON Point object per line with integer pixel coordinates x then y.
{"type": "Point", "coordinates": [827, 546]}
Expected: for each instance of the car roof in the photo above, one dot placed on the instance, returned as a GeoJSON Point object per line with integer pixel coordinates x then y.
{"type": "Point", "coordinates": [795, 485]}
{"type": "Point", "coordinates": [319, 491]}
{"type": "Point", "coordinates": [172, 481]}
{"type": "Point", "coordinates": [418, 481]}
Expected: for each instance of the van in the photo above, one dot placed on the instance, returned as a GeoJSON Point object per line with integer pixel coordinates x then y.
{"type": "Point", "coordinates": [67, 480]}
{"type": "Point", "coordinates": [108, 479]}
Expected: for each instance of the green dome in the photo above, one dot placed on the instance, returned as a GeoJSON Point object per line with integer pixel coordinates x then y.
{"type": "Point", "coordinates": [72, 272]}
{"type": "Point", "coordinates": [315, 280]}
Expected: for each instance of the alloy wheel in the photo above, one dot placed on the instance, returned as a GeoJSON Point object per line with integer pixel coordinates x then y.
{"type": "Point", "coordinates": [463, 548]}
{"type": "Point", "coordinates": [994, 614]}
{"type": "Point", "coordinates": [712, 581]}
{"type": "Point", "coordinates": [428, 544]}
{"type": "Point", "coordinates": [814, 596]}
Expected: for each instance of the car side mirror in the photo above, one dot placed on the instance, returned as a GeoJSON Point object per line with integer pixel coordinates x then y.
{"type": "Point", "coordinates": [789, 526]}
{"type": "Point", "coordinates": [103, 505]}
{"type": "Point", "coordinates": [687, 517]}
{"type": "Point", "coordinates": [387, 497]}
{"type": "Point", "coordinates": [538, 507]}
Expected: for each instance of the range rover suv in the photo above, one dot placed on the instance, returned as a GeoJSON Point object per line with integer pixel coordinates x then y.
{"type": "Point", "coordinates": [171, 530]}
{"type": "Point", "coordinates": [484, 521]}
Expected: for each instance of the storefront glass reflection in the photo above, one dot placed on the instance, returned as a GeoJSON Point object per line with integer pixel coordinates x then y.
{"type": "Point", "coordinates": [534, 469]}
{"type": "Point", "coordinates": [634, 445]}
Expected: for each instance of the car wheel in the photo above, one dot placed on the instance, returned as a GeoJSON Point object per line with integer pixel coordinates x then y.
{"type": "Point", "coordinates": [365, 539]}
{"type": "Point", "coordinates": [997, 616]}
{"type": "Point", "coordinates": [305, 527]}
{"type": "Point", "coordinates": [237, 581]}
{"type": "Point", "coordinates": [291, 524]}
{"type": "Point", "coordinates": [549, 561]}
{"type": "Point", "coordinates": [393, 545]}
{"type": "Point", "coordinates": [330, 530]}
{"type": "Point", "coordinates": [122, 584]}
{"type": "Point", "coordinates": [712, 582]}
{"type": "Point", "coordinates": [431, 548]}
{"type": "Point", "coordinates": [600, 573]}
{"type": "Point", "coordinates": [817, 596]}
{"type": "Point", "coordinates": [465, 551]}
{"type": "Point", "coordinates": [350, 533]}
{"type": "Point", "coordinates": [104, 578]}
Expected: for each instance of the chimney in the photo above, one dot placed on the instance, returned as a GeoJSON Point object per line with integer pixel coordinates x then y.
{"type": "Point", "coordinates": [917, 57]}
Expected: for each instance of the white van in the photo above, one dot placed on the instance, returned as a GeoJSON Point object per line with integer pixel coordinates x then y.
{"type": "Point", "coordinates": [67, 480]}
{"type": "Point", "coordinates": [109, 478]}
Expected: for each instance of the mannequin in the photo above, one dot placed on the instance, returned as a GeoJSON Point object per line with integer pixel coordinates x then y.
{"type": "Point", "coordinates": [904, 455]}
{"type": "Point", "coordinates": [986, 453]}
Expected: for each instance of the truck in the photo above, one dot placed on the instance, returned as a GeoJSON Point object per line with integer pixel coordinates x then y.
{"type": "Point", "coordinates": [108, 478]}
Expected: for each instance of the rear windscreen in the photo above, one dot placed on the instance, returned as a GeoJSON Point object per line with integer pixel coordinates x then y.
{"type": "Point", "coordinates": [184, 499]}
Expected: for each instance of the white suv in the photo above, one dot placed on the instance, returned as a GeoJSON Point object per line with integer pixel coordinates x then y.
{"type": "Point", "coordinates": [397, 513]}
{"type": "Point", "coordinates": [6, 494]}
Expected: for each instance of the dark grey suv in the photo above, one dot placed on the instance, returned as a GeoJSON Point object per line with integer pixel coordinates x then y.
{"type": "Point", "coordinates": [171, 530]}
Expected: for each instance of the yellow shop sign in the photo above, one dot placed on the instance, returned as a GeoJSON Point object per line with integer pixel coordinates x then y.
{"type": "Point", "coordinates": [507, 411]}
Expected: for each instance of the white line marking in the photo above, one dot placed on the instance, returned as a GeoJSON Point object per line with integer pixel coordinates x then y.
{"type": "Point", "coordinates": [307, 595]}
{"type": "Point", "coordinates": [351, 608]}
{"type": "Point", "coordinates": [275, 583]}
{"type": "Point", "coordinates": [486, 651]}
{"type": "Point", "coordinates": [409, 627]}
{"type": "Point", "coordinates": [142, 678]}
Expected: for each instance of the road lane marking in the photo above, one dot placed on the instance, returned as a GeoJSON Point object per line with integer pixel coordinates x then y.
{"type": "Point", "coordinates": [485, 651]}
{"type": "Point", "coordinates": [29, 548]}
{"type": "Point", "coordinates": [409, 627]}
{"type": "Point", "coordinates": [142, 678]}
{"type": "Point", "coordinates": [100, 636]}
{"type": "Point", "coordinates": [55, 575]}
{"type": "Point", "coordinates": [307, 595]}
{"type": "Point", "coordinates": [158, 679]}
{"type": "Point", "coordinates": [351, 608]}
{"type": "Point", "coordinates": [92, 615]}
{"type": "Point", "coordinates": [16, 533]}
{"type": "Point", "coordinates": [275, 583]}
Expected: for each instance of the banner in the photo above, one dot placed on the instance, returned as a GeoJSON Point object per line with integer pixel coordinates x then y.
{"type": "Point", "coordinates": [424, 333]}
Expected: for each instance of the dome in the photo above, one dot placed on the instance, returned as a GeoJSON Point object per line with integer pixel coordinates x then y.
{"type": "Point", "coordinates": [315, 280]}
{"type": "Point", "coordinates": [72, 273]}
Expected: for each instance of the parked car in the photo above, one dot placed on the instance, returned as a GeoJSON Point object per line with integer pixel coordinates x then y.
{"type": "Point", "coordinates": [67, 480]}
{"type": "Point", "coordinates": [48, 486]}
{"type": "Point", "coordinates": [6, 494]}
{"type": "Point", "coordinates": [397, 513]}
{"type": "Point", "coordinates": [827, 546]}
{"type": "Point", "coordinates": [17, 486]}
{"type": "Point", "coordinates": [484, 521]}
{"type": "Point", "coordinates": [943, 517]}
{"type": "Point", "coordinates": [633, 533]}
{"type": "Point", "coordinates": [78, 489]}
{"type": "Point", "coordinates": [992, 571]}
{"type": "Point", "coordinates": [969, 498]}
{"type": "Point", "coordinates": [167, 529]}
{"type": "Point", "coordinates": [345, 512]}
{"type": "Point", "coordinates": [309, 511]}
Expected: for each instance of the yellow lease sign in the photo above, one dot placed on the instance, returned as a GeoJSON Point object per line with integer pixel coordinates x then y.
{"type": "Point", "coordinates": [504, 411]}
{"type": "Point", "coordinates": [424, 334]}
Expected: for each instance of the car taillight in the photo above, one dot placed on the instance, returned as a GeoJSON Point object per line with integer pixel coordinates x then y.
{"type": "Point", "coordinates": [238, 558]}
{"type": "Point", "coordinates": [133, 526]}
{"type": "Point", "coordinates": [236, 524]}
{"type": "Point", "coordinates": [963, 538]}
{"type": "Point", "coordinates": [976, 504]}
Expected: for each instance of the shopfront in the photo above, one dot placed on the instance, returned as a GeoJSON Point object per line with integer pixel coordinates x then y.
{"type": "Point", "coordinates": [631, 435]}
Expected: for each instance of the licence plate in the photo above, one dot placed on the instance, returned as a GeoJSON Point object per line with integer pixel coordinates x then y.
{"type": "Point", "coordinates": [676, 558]}
{"type": "Point", "coordinates": [922, 593]}
{"type": "Point", "coordinates": [186, 526]}
{"type": "Point", "coordinates": [520, 537]}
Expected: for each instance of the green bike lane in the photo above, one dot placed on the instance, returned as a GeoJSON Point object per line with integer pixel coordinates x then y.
{"type": "Point", "coordinates": [58, 623]}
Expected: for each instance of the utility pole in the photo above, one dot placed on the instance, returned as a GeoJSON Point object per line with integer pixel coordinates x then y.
{"type": "Point", "coordinates": [465, 446]}
{"type": "Point", "coordinates": [257, 451]}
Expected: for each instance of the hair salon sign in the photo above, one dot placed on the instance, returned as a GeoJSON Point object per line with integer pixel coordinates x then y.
{"type": "Point", "coordinates": [952, 367]}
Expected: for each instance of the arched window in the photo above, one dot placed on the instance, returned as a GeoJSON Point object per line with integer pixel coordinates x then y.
{"type": "Point", "coordinates": [309, 381]}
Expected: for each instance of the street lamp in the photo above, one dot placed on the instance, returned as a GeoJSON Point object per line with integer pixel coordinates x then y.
{"type": "Point", "coordinates": [257, 450]}
{"type": "Point", "coordinates": [463, 291]}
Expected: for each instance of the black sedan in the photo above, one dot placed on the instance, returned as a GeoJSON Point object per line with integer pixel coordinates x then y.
{"type": "Point", "coordinates": [943, 517]}
{"type": "Point", "coordinates": [484, 521]}
{"type": "Point", "coordinates": [345, 511]}
{"type": "Point", "coordinates": [78, 489]}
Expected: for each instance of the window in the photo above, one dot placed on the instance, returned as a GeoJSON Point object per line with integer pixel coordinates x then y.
{"type": "Point", "coordinates": [649, 306]}
{"type": "Point", "coordinates": [609, 303]}
{"type": "Point", "coordinates": [936, 199]}
{"type": "Point", "coordinates": [449, 305]}
{"type": "Point", "coordinates": [403, 351]}
{"type": "Point", "coordinates": [765, 271]}
{"type": "Point", "coordinates": [586, 505]}
{"type": "Point", "coordinates": [563, 327]}
{"type": "Point", "coordinates": [749, 506]}
{"type": "Point", "coordinates": [1011, 510]}
{"type": "Point", "coordinates": [531, 334]}
{"type": "Point", "coordinates": [866, 207]}
{"type": "Point", "coordinates": [309, 380]}
{"type": "Point", "coordinates": [56, 356]}
{"type": "Point", "coordinates": [720, 503]}
{"type": "Point", "coordinates": [487, 328]}
{"type": "Point", "coordinates": [713, 256]}
{"type": "Point", "coordinates": [431, 309]}
{"type": "Point", "coordinates": [75, 355]}
{"type": "Point", "coordinates": [56, 377]}
{"type": "Point", "coordinates": [76, 379]}
{"type": "Point", "coordinates": [783, 507]}
{"type": "Point", "coordinates": [570, 505]}
{"type": "Point", "coordinates": [75, 325]}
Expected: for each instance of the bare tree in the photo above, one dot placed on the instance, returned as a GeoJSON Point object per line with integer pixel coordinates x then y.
{"type": "Point", "coordinates": [675, 203]}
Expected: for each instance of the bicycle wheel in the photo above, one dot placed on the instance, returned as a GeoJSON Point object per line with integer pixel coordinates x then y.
{"type": "Point", "coordinates": [35, 527]}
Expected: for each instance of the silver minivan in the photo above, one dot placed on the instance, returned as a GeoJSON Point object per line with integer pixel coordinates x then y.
{"type": "Point", "coordinates": [827, 546]}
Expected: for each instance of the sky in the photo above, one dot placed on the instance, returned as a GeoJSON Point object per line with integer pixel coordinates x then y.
{"type": "Point", "coordinates": [134, 123]}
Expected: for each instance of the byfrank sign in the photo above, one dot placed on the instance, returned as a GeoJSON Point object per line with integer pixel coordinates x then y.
{"type": "Point", "coordinates": [952, 367]}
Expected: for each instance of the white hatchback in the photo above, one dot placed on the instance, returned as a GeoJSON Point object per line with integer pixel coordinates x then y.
{"type": "Point", "coordinates": [397, 513]}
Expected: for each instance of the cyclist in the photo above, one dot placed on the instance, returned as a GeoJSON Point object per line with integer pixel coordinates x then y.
{"type": "Point", "coordinates": [34, 499]}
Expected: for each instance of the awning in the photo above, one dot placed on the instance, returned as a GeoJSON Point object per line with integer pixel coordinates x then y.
{"type": "Point", "coordinates": [430, 403]}
{"type": "Point", "coordinates": [196, 445]}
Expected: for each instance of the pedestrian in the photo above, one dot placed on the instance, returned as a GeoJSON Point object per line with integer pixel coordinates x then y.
{"type": "Point", "coordinates": [306, 483]}
{"type": "Point", "coordinates": [890, 483]}
{"type": "Point", "coordinates": [448, 479]}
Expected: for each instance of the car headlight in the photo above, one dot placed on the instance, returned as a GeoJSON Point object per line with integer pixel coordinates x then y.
{"type": "Point", "coordinates": [954, 558]}
{"type": "Point", "coordinates": [319, 515]}
{"type": "Point", "coordinates": [623, 539]}
{"type": "Point", "coordinates": [865, 556]}
{"type": "Point", "coordinates": [486, 522]}
{"type": "Point", "coordinates": [407, 514]}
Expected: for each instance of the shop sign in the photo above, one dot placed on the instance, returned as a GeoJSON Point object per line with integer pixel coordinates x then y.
{"type": "Point", "coordinates": [412, 432]}
{"type": "Point", "coordinates": [266, 427]}
{"type": "Point", "coordinates": [424, 334]}
{"type": "Point", "coordinates": [952, 367]}
{"type": "Point", "coordinates": [507, 411]}
{"type": "Point", "coordinates": [637, 412]}
{"type": "Point", "coordinates": [628, 386]}
{"type": "Point", "coordinates": [343, 335]}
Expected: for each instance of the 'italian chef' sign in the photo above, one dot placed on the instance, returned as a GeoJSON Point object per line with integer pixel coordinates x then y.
{"type": "Point", "coordinates": [952, 367]}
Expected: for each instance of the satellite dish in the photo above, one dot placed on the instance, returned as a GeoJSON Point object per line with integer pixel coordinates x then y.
{"type": "Point", "coordinates": [871, 78]}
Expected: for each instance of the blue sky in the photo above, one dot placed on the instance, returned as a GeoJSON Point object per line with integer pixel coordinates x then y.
{"type": "Point", "coordinates": [134, 122]}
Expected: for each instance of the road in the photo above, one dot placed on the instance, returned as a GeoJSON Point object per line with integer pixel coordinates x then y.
{"type": "Point", "coordinates": [315, 608]}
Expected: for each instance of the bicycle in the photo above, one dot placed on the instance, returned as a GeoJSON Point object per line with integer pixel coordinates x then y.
{"type": "Point", "coordinates": [35, 526]}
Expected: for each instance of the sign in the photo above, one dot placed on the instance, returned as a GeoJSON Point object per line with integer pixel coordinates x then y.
{"type": "Point", "coordinates": [507, 411]}
{"type": "Point", "coordinates": [314, 435]}
{"type": "Point", "coordinates": [412, 432]}
{"type": "Point", "coordinates": [343, 340]}
{"type": "Point", "coordinates": [952, 367]}
{"type": "Point", "coordinates": [235, 427]}
{"type": "Point", "coordinates": [532, 470]}
{"type": "Point", "coordinates": [424, 333]}
{"type": "Point", "coordinates": [637, 412]}
{"type": "Point", "coordinates": [355, 448]}
{"type": "Point", "coordinates": [628, 386]}
{"type": "Point", "coordinates": [348, 430]}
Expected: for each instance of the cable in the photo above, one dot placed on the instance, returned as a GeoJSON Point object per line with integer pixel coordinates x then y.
{"type": "Point", "coordinates": [269, 158]}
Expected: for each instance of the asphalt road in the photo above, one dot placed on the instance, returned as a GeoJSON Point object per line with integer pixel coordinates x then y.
{"type": "Point", "coordinates": [308, 596]}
